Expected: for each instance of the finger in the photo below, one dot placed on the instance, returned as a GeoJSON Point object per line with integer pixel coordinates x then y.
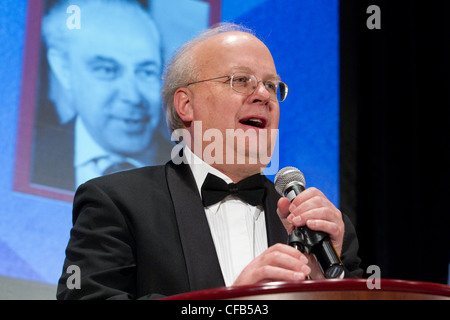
{"type": "Point", "coordinates": [335, 231]}
{"type": "Point", "coordinates": [275, 265]}
{"type": "Point", "coordinates": [282, 256]}
{"type": "Point", "coordinates": [326, 226]}
{"type": "Point", "coordinates": [321, 213]}
{"type": "Point", "coordinates": [296, 221]}
{"type": "Point", "coordinates": [317, 201]}
{"type": "Point", "coordinates": [283, 214]}
{"type": "Point", "coordinates": [304, 196]}
{"type": "Point", "coordinates": [284, 249]}
{"type": "Point", "coordinates": [299, 219]}
{"type": "Point", "coordinates": [267, 274]}
{"type": "Point", "coordinates": [283, 207]}
{"type": "Point", "coordinates": [286, 260]}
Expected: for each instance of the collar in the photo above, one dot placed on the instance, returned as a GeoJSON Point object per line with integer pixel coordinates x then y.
{"type": "Point", "coordinates": [200, 169]}
{"type": "Point", "coordinates": [87, 149]}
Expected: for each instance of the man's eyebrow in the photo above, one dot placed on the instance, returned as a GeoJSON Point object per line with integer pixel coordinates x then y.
{"type": "Point", "coordinates": [277, 76]}
{"type": "Point", "coordinates": [148, 63]}
{"type": "Point", "coordinates": [96, 59]}
{"type": "Point", "coordinates": [247, 69]}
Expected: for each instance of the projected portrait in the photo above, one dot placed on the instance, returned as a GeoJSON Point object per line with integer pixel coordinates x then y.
{"type": "Point", "coordinates": [98, 107]}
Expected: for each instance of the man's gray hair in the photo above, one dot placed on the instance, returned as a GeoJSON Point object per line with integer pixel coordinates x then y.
{"type": "Point", "coordinates": [182, 70]}
{"type": "Point", "coordinates": [57, 35]}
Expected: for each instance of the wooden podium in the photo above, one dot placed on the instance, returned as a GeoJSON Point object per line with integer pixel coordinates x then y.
{"type": "Point", "coordinates": [345, 289]}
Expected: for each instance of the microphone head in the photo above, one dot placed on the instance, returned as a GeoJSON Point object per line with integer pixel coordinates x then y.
{"type": "Point", "coordinates": [286, 177]}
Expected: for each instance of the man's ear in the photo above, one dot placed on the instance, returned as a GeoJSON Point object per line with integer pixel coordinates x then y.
{"type": "Point", "coordinates": [183, 104]}
{"type": "Point", "coordinates": [59, 64]}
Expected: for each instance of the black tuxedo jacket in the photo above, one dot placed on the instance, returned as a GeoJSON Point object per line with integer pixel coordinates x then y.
{"type": "Point", "coordinates": [143, 234]}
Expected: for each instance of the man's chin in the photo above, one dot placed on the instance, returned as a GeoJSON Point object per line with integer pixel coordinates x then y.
{"type": "Point", "coordinates": [130, 147]}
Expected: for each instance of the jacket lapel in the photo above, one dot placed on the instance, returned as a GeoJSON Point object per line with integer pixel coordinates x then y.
{"type": "Point", "coordinates": [276, 233]}
{"type": "Point", "coordinates": [199, 252]}
{"type": "Point", "coordinates": [198, 247]}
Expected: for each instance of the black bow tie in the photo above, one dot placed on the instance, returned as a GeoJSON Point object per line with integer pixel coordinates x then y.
{"type": "Point", "coordinates": [251, 189]}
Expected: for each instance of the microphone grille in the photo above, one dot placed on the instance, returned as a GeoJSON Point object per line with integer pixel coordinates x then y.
{"type": "Point", "coordinates": [287, 175]}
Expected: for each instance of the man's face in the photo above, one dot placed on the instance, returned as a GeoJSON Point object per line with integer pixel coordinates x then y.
{"type": "Point", "coordinates": [115, 82]}
{"type": "Point", "coordinates": [218, 106]}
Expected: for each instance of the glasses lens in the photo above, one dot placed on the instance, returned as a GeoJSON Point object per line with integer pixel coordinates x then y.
{"type": "Point", "coordinates": [243, 82]}
{"type": "Point", "coordinates": [282, 91]}
{"type": "Point", "coordinates": [246, 83]}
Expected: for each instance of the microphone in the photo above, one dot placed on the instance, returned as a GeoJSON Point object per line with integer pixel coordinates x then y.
{"type": "Point", "coordinates": [290, 182]}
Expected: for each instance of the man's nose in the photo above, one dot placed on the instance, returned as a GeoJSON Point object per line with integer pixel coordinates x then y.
{"type": "Point", "coordinates": [260, 93]}
{"type": "Point", "coordinates": [129, 91]}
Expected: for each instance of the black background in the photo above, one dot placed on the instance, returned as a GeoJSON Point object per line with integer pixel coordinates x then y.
{"type": "Point", "coordinates": [394, 135]}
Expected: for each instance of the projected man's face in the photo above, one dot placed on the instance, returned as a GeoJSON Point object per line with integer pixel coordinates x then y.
{"type": "Point", "coordinates": [114, 70]}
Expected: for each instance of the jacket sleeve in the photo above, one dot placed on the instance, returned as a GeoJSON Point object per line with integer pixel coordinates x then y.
{"type": "Point", "coordinates": [349, 254]}
{"type": "Point", "coordinates": [101, 245]}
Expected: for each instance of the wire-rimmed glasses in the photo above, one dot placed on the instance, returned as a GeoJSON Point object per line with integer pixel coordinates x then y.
{"type": "Point", "coordinates": [246, 83]}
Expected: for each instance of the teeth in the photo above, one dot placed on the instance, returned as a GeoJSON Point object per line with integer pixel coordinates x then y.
{"type": "Point", "coordinates": [258, 121]}
{"type": "Point", "coordinates": [254, 122]}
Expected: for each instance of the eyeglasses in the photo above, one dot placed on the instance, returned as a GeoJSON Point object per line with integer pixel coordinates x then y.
{"type": "Point", "coordinates": [247, 83]}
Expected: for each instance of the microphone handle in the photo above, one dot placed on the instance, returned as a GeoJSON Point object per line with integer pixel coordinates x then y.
{"type": "Point", "coordinates": [317, 243]}
{"type": "Point", "coordinates": [328, 259]}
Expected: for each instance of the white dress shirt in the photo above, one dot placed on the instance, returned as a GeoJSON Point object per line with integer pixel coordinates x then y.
{"type": "Point", "coordinates": [90, 159]}
{"type": "Point", "coordinates": [238, 229]}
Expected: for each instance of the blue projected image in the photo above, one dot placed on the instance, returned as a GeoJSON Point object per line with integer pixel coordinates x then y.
{"type": "Point", "coordinates": [42, 104]}
{"type": "Point", "coordinates": [303, 37]}
{"type": "Point", "coordinates": [104, 110]}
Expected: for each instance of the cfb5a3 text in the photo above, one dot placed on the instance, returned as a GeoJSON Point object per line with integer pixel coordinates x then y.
{"type": "Point", "coordinates": [247, 309]}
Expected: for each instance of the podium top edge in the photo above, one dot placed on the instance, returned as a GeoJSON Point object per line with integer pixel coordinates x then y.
{"type": "Point", "coordinates": [387, 285]}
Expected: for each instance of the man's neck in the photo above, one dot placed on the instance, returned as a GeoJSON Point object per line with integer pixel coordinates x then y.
{"type": "Point", "coordinates": [237, 172]}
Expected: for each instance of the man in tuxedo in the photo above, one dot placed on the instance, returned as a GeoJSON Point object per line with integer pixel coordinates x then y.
{"type": "Point", "coordinates": [164, 230]}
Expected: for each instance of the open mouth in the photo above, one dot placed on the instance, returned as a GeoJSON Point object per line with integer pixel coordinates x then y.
{"type": "Point", "coordinates": [254, 122]}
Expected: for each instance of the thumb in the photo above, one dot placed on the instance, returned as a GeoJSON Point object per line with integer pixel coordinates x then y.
{"type": "Point", "coordinates": [283, 213]}
{"type": "Point", "coordinates": [283, 207]}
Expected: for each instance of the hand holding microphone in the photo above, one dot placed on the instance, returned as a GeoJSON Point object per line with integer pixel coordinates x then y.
{"type": "Point", "coordinates": [315, 226]}
{"type": "Point", "coordinates": [314, 223]}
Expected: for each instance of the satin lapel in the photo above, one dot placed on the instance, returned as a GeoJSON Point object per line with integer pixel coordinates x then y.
{"type": "Point", "coordinates": [276, 233]}
{"type": "Point", "coordinates": [199, 252]}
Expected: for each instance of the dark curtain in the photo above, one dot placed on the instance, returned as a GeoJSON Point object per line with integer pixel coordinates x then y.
{"type": "Point", "coordinates": [394, 135]}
